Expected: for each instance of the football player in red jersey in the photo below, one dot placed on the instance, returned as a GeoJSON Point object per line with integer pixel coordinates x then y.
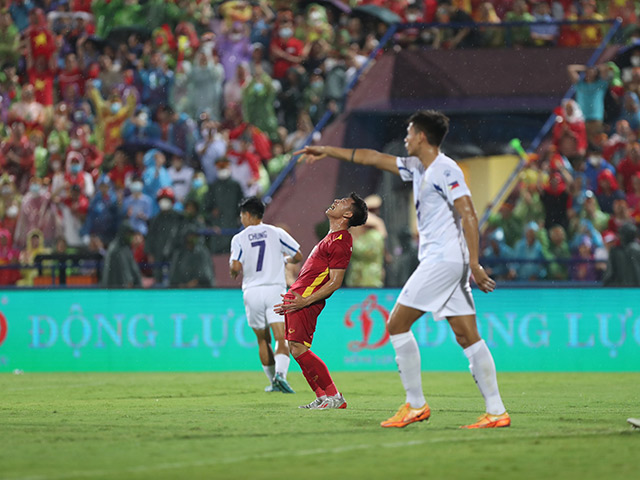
{"type": "Point", "coordinates": [321, 275]}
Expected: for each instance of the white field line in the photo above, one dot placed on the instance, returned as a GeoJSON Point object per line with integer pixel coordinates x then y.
{"type": "Point", "coordinates": [120, 473]}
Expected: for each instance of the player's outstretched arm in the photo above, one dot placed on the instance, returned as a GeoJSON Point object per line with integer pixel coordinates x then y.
{"type": "Point", "coordinates": [363, 156]}
{"type": "Point", "coordinates": [467, 212]}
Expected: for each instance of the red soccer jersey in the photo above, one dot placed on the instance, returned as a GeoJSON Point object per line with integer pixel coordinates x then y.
{"type": "Point", "coordinates": [333, 252]}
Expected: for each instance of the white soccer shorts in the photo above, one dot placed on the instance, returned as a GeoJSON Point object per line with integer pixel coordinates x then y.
{"type": "Point", "coordinates": [258, 305]}
{"type": "Point", "coordinates": [441, 288]}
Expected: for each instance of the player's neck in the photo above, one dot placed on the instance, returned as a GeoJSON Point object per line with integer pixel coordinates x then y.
{"type": "Point", "coordinates": [428, 154]}
{"type": "Point", "coordinates": [253, 223]}
{"type": "Point", "coordinates": [337, 224]}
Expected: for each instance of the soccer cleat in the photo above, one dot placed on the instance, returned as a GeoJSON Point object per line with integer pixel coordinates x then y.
{"type": "Point", "coordinates": [634, 422]}
{"type": "Point", "coordinates": [281, 384]}
{"type": "Point", "coordinates": [491, 421]}
{"type": "Point", "coordinates": [335, 401]}
{"type": "Point", "coordinates": [315, 404]}
{"type": "Point", "coordinates": [407, 415]}
{"type": "Point", "coordinates": [271, 388]}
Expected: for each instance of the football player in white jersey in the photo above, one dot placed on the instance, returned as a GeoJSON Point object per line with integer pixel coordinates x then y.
{"type": "Point", "coordinates": [448, 254]}
{"type": "Point", "coordinates": [260, 253]}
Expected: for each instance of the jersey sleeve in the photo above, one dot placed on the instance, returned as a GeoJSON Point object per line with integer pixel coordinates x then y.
{"type": "Point", "coordinates": [406, 167]}
{"type": "Point", "coordinates": [288, 244]}
{"type": "Point", "coordinates": [340, 253]}
{"type": "Point", "coordinates": [236, 250]}
{"type": "Point", "coordinates": [454, 184]}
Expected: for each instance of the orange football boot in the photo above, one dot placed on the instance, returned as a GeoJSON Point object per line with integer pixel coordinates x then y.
{"type": "Point", "coordinates": [491, 421]}
{"type": "Point", "coordinates": [406, 415]}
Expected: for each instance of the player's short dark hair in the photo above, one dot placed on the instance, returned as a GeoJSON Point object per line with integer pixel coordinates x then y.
{"type": "Point", "coordinates": [253, 206]}
{"type": "Point", "coordinates": [432, 123]}
{"type": "Point", "coordinates": [359, 210]}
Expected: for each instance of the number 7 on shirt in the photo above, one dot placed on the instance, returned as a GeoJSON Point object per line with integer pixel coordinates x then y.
{"type": "Point", "coordinates": [261, 244]}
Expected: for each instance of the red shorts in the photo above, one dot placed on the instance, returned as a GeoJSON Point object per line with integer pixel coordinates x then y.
{"type": "Point", "coordinates": [301, 325]}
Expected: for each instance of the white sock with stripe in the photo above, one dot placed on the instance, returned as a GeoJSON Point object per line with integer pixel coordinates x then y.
{"type": "Point", "coordinates": [408, 360]}
{"type": "Point", "coordinates": [483, 370]}
{"type": "Point", "coordinates": [282, 364]}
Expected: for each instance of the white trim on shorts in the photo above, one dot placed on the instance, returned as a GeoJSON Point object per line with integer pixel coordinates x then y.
{"type": "Point", "coordinates": [258, 305]}
{"type": "Point", "coordinates": [441, 288]}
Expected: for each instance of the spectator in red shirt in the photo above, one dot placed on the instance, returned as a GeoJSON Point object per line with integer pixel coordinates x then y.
{"type": "Point", "coordinates": [122, 171]}
{"type": "Point", "coordinates": [42, 73]}
{"type": "Point", "coordinates": [633, 197]}
{"type": "Point", "coordinates": [40, 38]}
{"type": "Point", "coordinates": [286, 50]}
{"type": "Point", "coordinates": [92, 156]}
{"type": "Point", "coordinates": [17, 156]}
{"type": "Point", "coordinates": [629, 166]}
{"type": "Point", "coordinates": [569, 131]}
{"type": "Point", "coordinates": [71, 75]}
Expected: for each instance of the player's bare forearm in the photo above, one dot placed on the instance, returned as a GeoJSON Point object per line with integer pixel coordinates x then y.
{"type": "Point", "coordinates": [363, 156]}
{"type": "Point", "coordinates": [467, 212]}
{"type": "Point", "coordinates": [297, 258]}
{"type": "Point", "coordinates": [235, 269]}
{"type": "Point", "coordinates": [294, 302]}
{"type": "Point", "coordinates": [336, 277]}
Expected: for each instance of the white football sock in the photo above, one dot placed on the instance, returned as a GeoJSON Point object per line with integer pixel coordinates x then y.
{"type": "Point", "coordinates": [282, 364]}
{"type": "Point", "coordinates": [269, 371]}
{"type": "Point", "coordinates": [408, 360]}
{"type": "Point", "coordinates": [483, 370]}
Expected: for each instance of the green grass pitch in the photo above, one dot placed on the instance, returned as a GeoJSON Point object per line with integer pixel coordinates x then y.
{"type": "Point", "coordinates": [222, 425]}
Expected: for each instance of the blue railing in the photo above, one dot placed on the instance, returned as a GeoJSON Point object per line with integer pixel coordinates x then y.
{"type": "Point", "coordinates": [546, 128]}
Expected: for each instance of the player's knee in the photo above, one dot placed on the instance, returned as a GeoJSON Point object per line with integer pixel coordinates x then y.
{"type": "Point", "coordinates": [297, 349]}
{"type": "Point", "coordinates": [397, 325]}
{"type": "Point", "coordinates": [466, 339]}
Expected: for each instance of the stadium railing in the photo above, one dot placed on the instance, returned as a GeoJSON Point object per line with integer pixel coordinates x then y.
{"type": "Point", "coordinates": [84, 270]}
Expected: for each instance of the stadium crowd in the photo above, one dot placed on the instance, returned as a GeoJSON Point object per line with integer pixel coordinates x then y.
{"type": "Point", "coordinates": [129, 126]}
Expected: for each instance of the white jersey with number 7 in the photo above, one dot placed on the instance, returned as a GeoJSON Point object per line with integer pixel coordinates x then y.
{"type": "Point", "coordinates": [261, 250]}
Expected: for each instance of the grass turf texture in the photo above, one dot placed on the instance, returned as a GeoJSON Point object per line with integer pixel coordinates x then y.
{"type": "Point", "coordinates": [221, 425]}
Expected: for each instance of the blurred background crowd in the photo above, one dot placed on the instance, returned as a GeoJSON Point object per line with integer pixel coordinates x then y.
{"type": "Point", "coordinates": [131, 129]}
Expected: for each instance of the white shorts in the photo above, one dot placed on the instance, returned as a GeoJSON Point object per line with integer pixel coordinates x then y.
{"type": "Point", "coordinates": [258, 305]}
{"type": "Point", "coordinates": [441, 288]}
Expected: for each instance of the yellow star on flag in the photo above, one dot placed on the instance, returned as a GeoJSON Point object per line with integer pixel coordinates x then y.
{"type": "Point", "coordinates": [40, 40]}
{"type": "Point", "coordinates": [39, 84]}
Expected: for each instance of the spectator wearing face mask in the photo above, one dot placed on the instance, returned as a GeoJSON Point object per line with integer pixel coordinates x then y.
{"type": "Point", "coordinates": [198, 189]}
{"type": "Point", "coordinates": [138, 207]}
{"type": "Point", "coordinates": [164, 230]}
{"type": "Point", "coordinates": [181, 176]}
{"type": "Point", "coordinates": [286, 51]}
{"type": "Point", "coordinates": [234, 47]}
{"type": "Point", "coordinates": [102, 217]}
{"type": "Point", "coordinates": [75, 174]}
{"type": "Point", "coordinates": [220, 206]}
{"type": "Point", "coordinates": [594, 165]}
{"type": "Point", "coordinates": [155, 176]}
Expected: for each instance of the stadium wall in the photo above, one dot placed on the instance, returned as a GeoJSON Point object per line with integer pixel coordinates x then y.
{"type": "Point", "coordinates": [205, 330]}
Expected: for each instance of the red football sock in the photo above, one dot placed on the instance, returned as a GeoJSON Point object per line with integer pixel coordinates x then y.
{"type": "Point", "coordinates": [316, 373]}
{"type": "Point", "coordinates": [309, 374]}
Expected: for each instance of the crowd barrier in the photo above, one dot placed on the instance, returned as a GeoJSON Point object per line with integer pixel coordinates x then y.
{"type": "Point", "coordinates": [77, 330]}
